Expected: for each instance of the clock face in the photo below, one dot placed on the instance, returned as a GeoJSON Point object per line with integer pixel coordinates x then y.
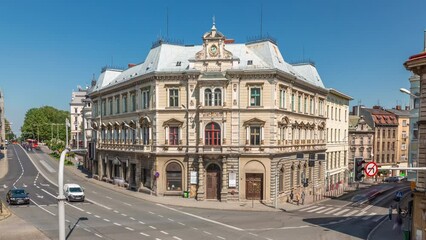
{"type": "Point", "coordinates": [213, 50]}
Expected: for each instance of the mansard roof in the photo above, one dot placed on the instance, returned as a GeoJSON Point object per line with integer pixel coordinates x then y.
{"type": "Point", "coordinates": [171, 58]}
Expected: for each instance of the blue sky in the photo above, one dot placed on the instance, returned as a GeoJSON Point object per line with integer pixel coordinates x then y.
{"type": "Point", "coordinates": [48, 47]}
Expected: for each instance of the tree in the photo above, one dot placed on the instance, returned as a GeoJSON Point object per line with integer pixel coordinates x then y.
{"type": "Point", "coordinates": [44, 123]}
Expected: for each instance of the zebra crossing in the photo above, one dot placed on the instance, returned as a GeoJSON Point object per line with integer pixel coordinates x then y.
{"type": "Point", "coordinates": [344, 211]}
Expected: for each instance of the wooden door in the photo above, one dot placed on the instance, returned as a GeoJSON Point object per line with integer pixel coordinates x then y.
{"type": "Point", "coordinates": [254, 186]}
{"type": "Point", "coordinates": [213, 182]}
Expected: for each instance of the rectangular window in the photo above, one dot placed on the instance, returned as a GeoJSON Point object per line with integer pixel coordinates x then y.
{"type": "Point", "coordinates": [174, 135]}
{"type": "Point", "coordinates": [104, 108]}
{"type": "Point", "coordinates": [174, 97]}
{"type": "Point", "coordinates": [331, 113]}
{"type": "Point", "coordinates": [321, 105]}
{"type": "Point", "coordinates": [145, 135]}
{"type": "Point", "coordinates": [117, 105]}
{"type": "Point", "coordinates": [110, 107]}
{"type": "Point", "coordinates": [133, 96]}
{"type": "Point", "coordinates": [404, 123]}
{"type": "Point", "coordinates": [75, 110]}
{"type": "Point", "coordinates": [292, 103]}
{"type": "Point", "coordinates": [255, 96]}
{"type": "Point", "coordinates": [145, 98]}
{"type": "Point", "coordinates": [254, 135]}
{"type": "Point", "coordinates": [305, 107]}
{"type": "Point", "coordinates": [282, 98]}
{"type": "Point", "coordinates": [299, 103]}
{"type": "Point", "coordinates": [311, 106]}
{"type": "Point", "coordinates": [124, 103]}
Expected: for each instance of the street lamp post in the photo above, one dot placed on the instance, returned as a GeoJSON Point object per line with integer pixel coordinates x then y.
{"type": "Point", "coordinates": [61, 197]}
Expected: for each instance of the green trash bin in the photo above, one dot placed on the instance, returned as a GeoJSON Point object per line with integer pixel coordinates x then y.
{"type": "Point", "coordinates": [186, 194]}
{"type": "Point", "coordinates": [406, 235]}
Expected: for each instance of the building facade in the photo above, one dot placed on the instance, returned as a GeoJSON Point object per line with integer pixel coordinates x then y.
{"type": "Point", "coordinates": [80, 119]}
{"type": "Point", "coordinates": [337, 113]}
{"type": "Point", "coordinates": [385, 137]}
{"type": "Point", "coordinates": [414, 130]}
{"type": "Point", "coordinates": [361, 139]}
{"type": "Point", "coordinates": [417, 64]}
{"type": "Point", "coordinates": [220, 121]}
{"type": "Point", "coordinates": [403, 138]}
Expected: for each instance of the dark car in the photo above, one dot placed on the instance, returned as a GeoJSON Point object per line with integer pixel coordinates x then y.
{"type": "Point", "coordinates": [17, 196]}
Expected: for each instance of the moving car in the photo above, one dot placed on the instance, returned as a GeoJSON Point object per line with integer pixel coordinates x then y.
{"type": "Point", "coordinates": [73, 192]}
{"type": "Point", "coordinates": [17, 196]}
{"type": "Point", "coordinates": [394, 179]}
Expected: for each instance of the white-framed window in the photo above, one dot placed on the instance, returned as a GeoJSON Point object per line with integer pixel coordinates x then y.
{"type": "Point", "coordinates": [404, 123]}
{"type": "Point", "coordinates": [282, 98]}
{"type": "Point", "coordinates": [293, 106]}
{"type": "Point", "coordinates": [305, 107]}
{"type": "Point", "coordinates": [311, 106]}
{"type": "Point", "coordinates": [125, 103]}
{"type": "Point", "coordinates": [145, 97]}
{"type": "Point", "coordinates": [117, 105]}
{"type": "Point", "coordinates": [255, 135]}
{"type": "Point", "coordinates": [110, 106]}
{"type": "Point", "coordinates": [299, 103]}
{"type": "Point", "coordinates": [212, 97]}
{"type": "Point", "coordinates": [321, 107]}
{"type": "Point", "coordinates": [255, 96]}
{"type": "Point", "coordinates": [173, 97]}
{"type": "Point", "coordinates": [133, 99]}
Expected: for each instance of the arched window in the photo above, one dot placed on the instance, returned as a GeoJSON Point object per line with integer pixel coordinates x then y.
{"type": "Point", "coordinates": [208, 97]}
{"type": "Point", "coordinates": [212, 134]}
{"type": "Point", "coordinates": [217, 97]}
{"type": "Point", "coordinates": [174, 177]}
{"type": "Point", "coordinates": [281, 180]}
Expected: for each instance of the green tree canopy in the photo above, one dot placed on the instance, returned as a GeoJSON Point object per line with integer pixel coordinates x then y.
{"type": "Point", "coordinates": [44, 123]}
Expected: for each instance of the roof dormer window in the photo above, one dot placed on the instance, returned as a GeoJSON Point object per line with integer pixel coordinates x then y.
{"type": "Point", "coordinates": [178, 63]}
{"type": "Point", "coordinates": [250, 62]}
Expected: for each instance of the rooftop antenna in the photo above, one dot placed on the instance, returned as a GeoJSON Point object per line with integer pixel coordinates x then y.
{"type": "Point", "coordinates": [112, 61]}
{"type": "Point", "coordinates": [167, 22]}
{"type": "Point", "coordinates": [261, 19]}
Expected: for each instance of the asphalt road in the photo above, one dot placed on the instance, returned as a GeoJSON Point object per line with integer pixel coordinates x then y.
{"type": "Point", "coordinates": [111, 215]}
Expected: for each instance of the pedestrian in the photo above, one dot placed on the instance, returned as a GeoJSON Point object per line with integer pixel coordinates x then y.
{"type": "Point", "coordinates": [297, 198]}
{"type": "Point", "coordinates": [291, 196]}
{"type": "Point", "coordinates": [390, 212]}
{"type": "Point", "coordinates": [303, 197]}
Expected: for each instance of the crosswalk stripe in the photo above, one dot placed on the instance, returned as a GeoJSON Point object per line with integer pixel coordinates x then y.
{"type": "Point", "coordinates": [343, 211]}
{"type": "Point", "coordinates": [362, 213]}
{"type": "Point", "coordinates": [350, 213]}
{"type": "Point", "coordinates": [369, 216]}
{"type": "Point", "coordinates": [304, 209]}
{"type": "Point", "coordinates": [324, 210]}
{"type": "Point", "coordinates": [332, 211]}
{"type": "Point", "coordinates": [316, 209]}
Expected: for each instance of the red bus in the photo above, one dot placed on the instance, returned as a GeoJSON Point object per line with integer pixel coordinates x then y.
{"type": "Point", "coordinates": [33, 143]}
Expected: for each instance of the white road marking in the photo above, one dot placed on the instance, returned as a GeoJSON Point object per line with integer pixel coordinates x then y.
{"type": "Point", "coordinates": [207, 232]}
{"type": "Point", "coordinates": [130, 229]}
{"type": "Point", "coordinates": [163, 232]}
{"type": "Point", "coordinates": [43, 208]}
{"type": "Point", "coordinates": [67, 220]}
{"type": "Point", "coordinates": [39, 196]}
{"type": "Point", "coordinates": [350, 213]}
{"type": "Point", "coordinates": [202, 218]}
{"type": "Point", "coordinates": [132, 218]}
{"type": "Point", "coordinates": [128, 204]}
{"type": "Point", "coordinates": [183, 224]}
{"type": "Point", "coordinates": [152, 227]}
{"type": "Point", "coordinates": [89, 213]}
{"type": "Point", "coordinates": [377, 218]}
{"type": "Point", "coordinates": [141, 222]}
{"type": "Point", "coordinates": [117, 224]}
{"type": "Point", "coordinates": [324, 210]}
{"type": "Point", "coordinates": [87, 229]}
{"type": "Point", "coordinates": [97, 216]}
{"type": "Point", "coordinates": [4, 186]}
{"type": "Point", "coordinates": [160, 216]}
{"type": "Point", "coordinates": [340, 212]}
{"type": "Point", "coordinates": [315, 209]}
{"type": "Point", "coordinates": [177, 238]}
{"type": "Point", "coordinates": [38, 187]}
{"type": "Point", "coordinates": [151, 213]}
{"type": "Point", "coordinates": [22, 169]}
{"type": "Point", "coordinates": [44, 184]}
{"type": "Point", "coordinates": [106, 220]}
{"type": "Point", "coordinates": [195, 228]}
{"type": "Point", "coordinates": [94, 192]}
{"type": "Point", "coordinates": [253, 234]}
{"type": "Point", "coordinates": [305, 209]}
{"type": "Point", "coordinates": [281, 228]}
{"type": "Point", "coordinates": [221, 237]}
{"type": "Point", "coordinates": [116, 211]}
{"type": "Point", "coordinates": [109, 198]}
{"type": "Point", "coordinates": [332, 211]}
{"type": "Point", "coordinates": [170, 219]}
{"type": "Point", "coordinates": [47, 166]}
{"type": "Point", "coordinates": [362, 213]}
{"type": "Point", "coordinates": [146, 235]}
{"type": "Point", "coordinates": [97, 235]}
{"type": "Point", "coordinates": [124, 215]}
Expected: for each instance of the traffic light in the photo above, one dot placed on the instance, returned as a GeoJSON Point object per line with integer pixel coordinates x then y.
{"type": "Point", "coordinates": [359, 169]}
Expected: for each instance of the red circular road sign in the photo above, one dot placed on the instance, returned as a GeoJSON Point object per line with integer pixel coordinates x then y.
{"type": "Point", "coordinates": [371, 169]}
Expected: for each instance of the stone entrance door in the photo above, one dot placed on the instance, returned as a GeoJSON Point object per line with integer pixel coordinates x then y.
{"type": "Point", "coordinates": [213, 182]}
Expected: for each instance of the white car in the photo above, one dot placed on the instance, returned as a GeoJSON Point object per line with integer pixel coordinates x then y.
{"type": "Point", "coordinates": [73, 192]}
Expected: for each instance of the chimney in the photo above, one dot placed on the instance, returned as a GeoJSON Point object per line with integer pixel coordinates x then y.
{"type": "Point", "coordinates": [407, 107]}
{"type": "Point", "coordinates": [398, 107]}
{"type": "Point", "coordinates": [229, 41]}
{"type": "Point", "coordinates": [376, 107]}
{"type": "Point", "coordinates": [130, 65]}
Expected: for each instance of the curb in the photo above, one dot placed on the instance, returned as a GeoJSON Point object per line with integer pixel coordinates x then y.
{"type": "Point", "coordinates": [375, 228]}
{"type": "Point", "coordinates": [8, 213]}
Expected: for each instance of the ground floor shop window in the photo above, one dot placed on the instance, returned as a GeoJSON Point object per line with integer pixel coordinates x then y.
{"type": "Point", "coordinates": [174, 177]}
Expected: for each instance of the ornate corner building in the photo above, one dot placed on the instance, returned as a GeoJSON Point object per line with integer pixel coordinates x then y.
{"type": "Point", "coordinates": [222, 120]}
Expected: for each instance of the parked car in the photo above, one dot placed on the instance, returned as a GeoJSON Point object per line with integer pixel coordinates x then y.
{"type": "Point", "coordinates": [17, 196]}
{"type": "Point", "coordinates": [393, 179]}
{"type": "Point", "coordinates": [73, 192]}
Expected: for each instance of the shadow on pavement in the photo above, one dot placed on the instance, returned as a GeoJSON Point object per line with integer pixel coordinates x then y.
{"type": "Point", "coordinates": [75, 224]}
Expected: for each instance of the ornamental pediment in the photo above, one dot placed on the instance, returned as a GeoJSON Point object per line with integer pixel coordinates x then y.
{"type": "Point", "coordinates": [254, 121]}
{"type": "Point", "coordinates": [173, 122]}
